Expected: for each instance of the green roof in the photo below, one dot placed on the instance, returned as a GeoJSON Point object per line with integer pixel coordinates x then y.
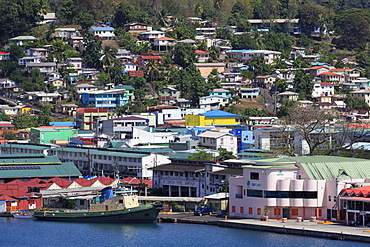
{"type": "Point", "coordinates": [102, 152]}
{"type": "Point", "coordinates": [35, 165]}
{"type": "Point", "coordinates": [34, 147]}
{"type": "Point", "coordinates": [56, 170]}
{"type": "Point", "coordinates": [325, 167]}
{"type": "Point", "coordinates": [271, 167]}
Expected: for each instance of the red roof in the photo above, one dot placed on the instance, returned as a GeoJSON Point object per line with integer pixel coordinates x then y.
{"type": "Point", "coordinates": [150, 57]}
{"type": "Point", "coordinates": [164, 38]}
{"type": "Point", "coordinates": [136, 73]}
{"type": "Point", "coordinates": [326, 84]}
{"type": "Point", "coordinates": [201, 52]}
{"type": "Point", "coordinates": [315, 67]}
{"type": "Point", "coordinates": [328, 73]}
{"type": "Point", "coordinates": [84, 82]}
{"type": "Point", "coordinates": [91, 110]}
{"type": "Point", "coordinates": [4, 53]}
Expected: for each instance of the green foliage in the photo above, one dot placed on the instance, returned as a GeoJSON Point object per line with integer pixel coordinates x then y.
{"type": "Point", "coordinates": [303, 84]}
{"type": "Point", "coordinates": [184, 54]}
{"type": "Point", "coordinates": [69, 11]}
{"type": "Point", "coordinates": [17, 17]}
{"type": "Point", "coordinates": [258, 66]}
{"type": "Point", "coordinates": [25, 121]}
{"type": "Point", "coordinates": [278, 42]}
{"type": "Point", "coordinates": [4, 117]}
{"type": "Point", "coordinates": [34, 81]}
{"type": "Point", "coordinates": [281, 85]}
{"type": "Point", "coordinates": [67, 203]}
{"type": "Point", "coordinates": [86, 20]}
{"type": "Point", "coordinates": [9, 135]}
{"type": "Point", "coordinates": [354, 27]}
{"type": "Point", "coordinates": [201, 154]}
{"type": "Point", "coordinates": [311, 16]}
{"type": "Point", "coordinates": [356, 104]}
{"type": "Point", "coordinates": [126, 14]}
{"type": "Point", "coordinates": [243, 41]}
{"type": "Point", "coordinates": [286, 107]}
{"type": "Point", "coordinates": [44, 118]}
{"type": "Point", "coordinates": [91, 54]}
{"type": "Point", "coordinates": [224, 154]}
{"type": "Point", "coordinates": [224, 188]}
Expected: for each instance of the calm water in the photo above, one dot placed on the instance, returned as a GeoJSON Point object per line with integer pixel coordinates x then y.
{"type": "Point", "coordinates": [23, 232]}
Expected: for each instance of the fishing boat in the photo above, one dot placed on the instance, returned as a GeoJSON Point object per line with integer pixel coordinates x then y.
{"type": "Point", "coordinates": [120, 206]}
{"type": "Point", "coordinates": [23, 214]}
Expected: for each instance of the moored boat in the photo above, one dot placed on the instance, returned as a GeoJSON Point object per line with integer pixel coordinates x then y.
{"type": "Point", "coordinates": [120, 207]}
{"type": "Point", "coordinates": [23, 214]}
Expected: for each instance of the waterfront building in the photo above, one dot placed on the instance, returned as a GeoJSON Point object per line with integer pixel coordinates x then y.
{"type": "Point", "coordinates": [294, 186]}
{"type": "Point", "coordinates": [191, 178]}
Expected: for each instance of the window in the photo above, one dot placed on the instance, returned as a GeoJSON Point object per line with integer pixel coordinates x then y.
{"type": "Point", "coordinates": [233, 209]}
{"type": "Point", "coordinates": [329, 198]}
{"type": "Point", "coordinates": [295, 211]}
{"type": "Point", "coordinates": [276, 211]}
{"type": "Point", "coordinates": [250, 210]}
{"type": "Point", "coordinates": [259, 211]}
{"type": "Point", "coordinates": [254, 176]}
{"type": "Point", "coordinates": [255, 193]}
{"type": "Point", "coordinates": [242, 210]}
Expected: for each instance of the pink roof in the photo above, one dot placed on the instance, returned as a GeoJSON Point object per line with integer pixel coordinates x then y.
{"type": "Point", "coordinates": [164, 38]}
{"type": "Point", "coordinates": [6, 198]}
{"type": "Point", "coordinates": [4, 53]}
{"type": "Point", "coordinates": [201, 52]}
{"type": "Point", "coordinates": [327, 73]}
{"type": "Point", "coordinates": [326, 84]}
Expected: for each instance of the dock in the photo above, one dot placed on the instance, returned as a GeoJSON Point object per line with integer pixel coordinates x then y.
{"type": "Point", "coordinates": [336, 231]}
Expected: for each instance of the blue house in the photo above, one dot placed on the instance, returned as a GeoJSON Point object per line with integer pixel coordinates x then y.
{"type": "Point", "coordinates": [249, 93]}
{"type": "Point", "coordinates": [106, 98]}
{"type": "Point", "coordinates": [220, 92]}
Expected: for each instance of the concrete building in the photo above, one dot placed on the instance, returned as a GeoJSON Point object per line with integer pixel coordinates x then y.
{"type": "Point", "coordinates": [215, 118]}
{"type": "Point", "coordinates": [56, 135]}
{"type": "Point", "coordinates": [212, 102]}
{"type": "Point", "coordinates": [86, 118]}
{"type": "Point", "coordinates": [191, 178]}
{"type": "Point", "coordinates": [218, 139]}
{"type": "Point", "coordinates": [294, 187]}
{"type": "Point", "coordinates": [122, 126]}
{"type": "Point", "coordinates": [105, 33]}
{"type": "Point", "coordinates": [109, 99]}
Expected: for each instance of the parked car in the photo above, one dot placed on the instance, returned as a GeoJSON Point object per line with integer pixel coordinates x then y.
{"type": "Point", "coordinates": [203, 210]}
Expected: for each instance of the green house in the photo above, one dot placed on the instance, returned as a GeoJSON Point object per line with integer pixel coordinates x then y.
{"type": "Point", "coordinates": [58, 135]}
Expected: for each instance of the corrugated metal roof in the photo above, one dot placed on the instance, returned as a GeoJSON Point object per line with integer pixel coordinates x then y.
{"type": "Point", "coordinates": [12, 159]}
{"type": "Point", "coordinates": [45, 170]}
{"type": "Point", "coordinates": [34, 147]}
{"type": "Point", "coordinates": [328, 167]}
{"type": "Point", "coordinates": [101, 152]}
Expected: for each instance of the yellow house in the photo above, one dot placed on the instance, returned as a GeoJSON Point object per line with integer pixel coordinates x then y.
{"type": "Point", "coordinates": [216, 118]}
{"type": "Point", "coordinates": [26, 110]}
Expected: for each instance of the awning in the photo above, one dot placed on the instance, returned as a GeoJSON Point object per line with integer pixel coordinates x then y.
{"type": "Point", "coordinates": [356, 198]}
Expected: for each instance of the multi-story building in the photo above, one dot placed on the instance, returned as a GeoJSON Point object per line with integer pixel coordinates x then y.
{"type": "Point", "coordinates": [56, 135]}
{"type": "Point", "coordinates": [87, 118]}
{"type": "Point", "coordinates": [191, 178]}
{"type": "Point", "coordinates": [294, 186]}
{"type": "Point", "coordinates": [215, 118]}
{"type": "Point", "coordinates": [244, 56]}
{"type": "Point", "coordinates": [123, 126]}
{"type": "Point", "coordinates": [361, 95]}
{"type": "Point", "coordinates": [109, 99]}
{"type": "Point", "coordinates": [218, 139]}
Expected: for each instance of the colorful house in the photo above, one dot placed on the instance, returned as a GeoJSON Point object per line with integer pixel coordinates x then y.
{"type": "Point", "coordinates": [56, 135]}
{"type": "Point", "coordinates": [215, 118]}
{"type": "Point", "coordinates": [106, 98]}
{"type": "Point", "coordinates": [86, 118]}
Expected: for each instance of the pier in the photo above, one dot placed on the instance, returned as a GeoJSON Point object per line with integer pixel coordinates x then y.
{"type": "Point", "coordinates": [336, 231]}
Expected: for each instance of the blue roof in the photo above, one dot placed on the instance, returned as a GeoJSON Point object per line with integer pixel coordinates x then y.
{"type": "Point", "coordinates": [219, 113]}
{"type": "Point", "coordinates": [102, 28]}
{"type": "Point", "coordinates": [69, 124]}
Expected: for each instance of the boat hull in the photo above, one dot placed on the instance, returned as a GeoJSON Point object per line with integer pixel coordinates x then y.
{"type": "Point", "coordinates": [140, 214]}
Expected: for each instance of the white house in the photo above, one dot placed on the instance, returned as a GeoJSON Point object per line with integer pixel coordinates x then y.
{"type": "Point", "coordinates": [4, 83]}
{"type": "Point", "coordinates": [323, 89]}
{"type": "Point", "coordinates": [212, 102]}
{"type": "Point", "coordinates": [106, 33]}
{"type": "Point", "coordinates": [85, 87]}
{"type": "Point", "coordinates": [165, 115]}
{"type": "Point", "coordinates": [74, 62]}
{"type": "Point", "coordinates": [43, 67]}
{"type": "Point", "coordinates": [361, 95]}
{"type": "Point", "coordinates": [163, 44]}
{"type": "Point", "coordinates": [244, 56]}
{"type": "Point", "coordinates": [130, 67]}
{"type": "Point", "coordinates": [66, 33]}
{"type": "Point", "coordinates": [151, 35]}
{"type": "Point", "coordinates": [218, 139]}
{"type": "Point", "coordinates": [24, 60]}
{"type": "Point", "coordinates": [37, 52]}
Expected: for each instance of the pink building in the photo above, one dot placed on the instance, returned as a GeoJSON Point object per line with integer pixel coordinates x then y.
{"type": "Point", "coordinates": [291, 187]}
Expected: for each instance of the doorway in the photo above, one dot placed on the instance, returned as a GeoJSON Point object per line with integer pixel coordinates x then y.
{"type": "Point", "coordinates": [286, 213]}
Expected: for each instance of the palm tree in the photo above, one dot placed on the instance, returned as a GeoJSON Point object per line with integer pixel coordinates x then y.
{"type": "Point", "coordinates": [108, 58]}
{"type": "Point", "coordinates": [152, 67]}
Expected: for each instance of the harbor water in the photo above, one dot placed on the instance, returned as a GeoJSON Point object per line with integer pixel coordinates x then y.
{"type": "Point", "coordinates": [27, 232]}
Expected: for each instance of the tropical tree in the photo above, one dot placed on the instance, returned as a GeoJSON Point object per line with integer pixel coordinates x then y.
{"type": "Point", "coordinates": [91, 55]}
{"type": "Point", "coordinates": [201, 154]}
